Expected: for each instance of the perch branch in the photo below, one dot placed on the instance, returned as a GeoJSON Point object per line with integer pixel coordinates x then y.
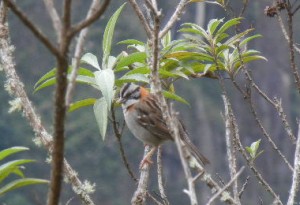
{"type": "Point", "coordinates": [233, 179]}
{"type": "Point", "coordinates": [296, 173]}
{"type": "Point", "coordinates": [139, 197]}
{"type": "Point", "coordinates": [160, 176]}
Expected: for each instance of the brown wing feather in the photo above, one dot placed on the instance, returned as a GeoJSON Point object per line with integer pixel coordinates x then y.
{"type": "Point", "coordinates": [152, 120]}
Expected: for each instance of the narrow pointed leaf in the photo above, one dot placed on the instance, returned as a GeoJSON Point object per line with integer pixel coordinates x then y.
{"type": "Point", "coordinates": [132, 58]}
{"type": "Point", "coordinates": [12, 150]}
{"type": "Point", "coordinates": [81, 103]}
{"type": "Point", "coordinates": [101, 114]}
{"type": "Point", "coordinates": [105, 79]}
{"type": "Point", "coordinates": [21, 183]}
{"type": "Point", "coordinates": [132, 41]}
{"type": "Point", "coordinates": [108, 35]}
{"type": "Point", "coordinates": [173, 96]}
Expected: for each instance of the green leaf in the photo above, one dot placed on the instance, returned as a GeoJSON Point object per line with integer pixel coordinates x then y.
{"type": "Point", "coordinates": [90, 59]}
{"type": "Point", "coordinates": [132, 41]}
{"type": "Point", "coordinates": [108, 35]}
{"type": "Point", "coordinates": [12, 150]}
{"type": "Point", "coordinates": [132, 58]}
{"type": "Point", "coordinates": [134, 78]}
{"type": "Point", "coordinates": [80, 79]}
{"type": "Point", "coordinates": [237, 37]}
{"type": "Point", "coordinates": [213, 24]}
{"type": "Point", "coordinates": [252, 150]}
{"type": "Point", "coordinates": [166, 40]}
{"type": "Point", "coordinates": [9, 167]}
{"type": "Point", "coordinates": [105, 80]}
{"type": "Point", "coordinates": [45, 84]}
{"type": "Point", "coordinates": [173, 96]}
{"type": "Point", "coordinates": [246, 40]}
{"type": "Point", "coordinates": [21, 183]}
{"type": "Point", "coordinates": [101, 114]}
{"type": "Point", "coordinates": [48, 75]}
{"type": "Point", "coordinates": [81, 103]}
{"type": "Point", "coordinates": [228, 24]}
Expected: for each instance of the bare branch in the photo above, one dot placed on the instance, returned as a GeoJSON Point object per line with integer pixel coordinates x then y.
{"type": "Point", "coordinates": [160, 177]}
{"type": "Point", "coordinates": [175, 17]}
{"type": "Point", "coordinates": [96, 12]}
{"type": "Point", "coordinates": [67, 14]}
{"type": "Point", "coordinates": [16, 88]}
{"type": "Point", "coordinates": [118, 135]}
{"type": "Point", "coordinates": [139, 197]}
{"type": "Point", "coordinates": [78, 54]}
{"type": "Point", "coordinates": [141, 16]}
{"type": "Point", "coordinates": [56, 21]}
{"type": "Point", "coordinates": [36, 31]}
{"type": "Point", "coordinates": [250, 162]}
{"type": "Point", "coordinates": [233, 179]}
{"type": "Point", "coordinates": [296, 173]}
{"type": "Point", "coordinates": [230, 151]}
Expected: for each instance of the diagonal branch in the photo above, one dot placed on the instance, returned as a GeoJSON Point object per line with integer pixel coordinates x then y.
{"type": "Point", "coordinates": [54, 16]}
{"type": "Point", "coordinates": [36, 31]}
{"type": "Point", "coordinates": [16, 89]}
{"type": "Point", "coordinates": [175, 17]}
{"type": "Point", "coordinates": [296, 173]}
{"type": "Point", "coordinates": [141, 16]}
{"type": "Point", "coordinates": [96, 12]}
{"type": "Point", "coordinates": [233, 179]}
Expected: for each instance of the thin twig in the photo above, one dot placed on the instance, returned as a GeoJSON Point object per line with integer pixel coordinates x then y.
{"type": "Point", "coordinates": [56, 21]}
{"type": "Point", "coordinates": [296, 174]}
{"type": "Point", "coordinates": [95, 14]}
{"type": "Point", "coordinates": [284, 32]}
{"type": "Point", "coordinates": [78, 54]}
{"type": "Point", "coordinates": [160, 176]}
{"type": "Point", "coordinates": [139, 197]}
{"type": "Point", "coordinates": [233, 179]}
{"type": "Point", "coordinates": [242, 150]}
{"type": "Point", "coordinates": [118, 135]}
{"type": "Point", "coordinates": [174, 18]}
{"type": "Point", "coordinates": [141, 16]}
{"type": "Point", "coordinates": [36, 31]}
{"type": "Point", "coordinates": [244, 187]}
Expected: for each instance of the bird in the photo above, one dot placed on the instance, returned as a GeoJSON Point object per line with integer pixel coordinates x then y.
{"type": "Point", "coordinates": [144, 119]}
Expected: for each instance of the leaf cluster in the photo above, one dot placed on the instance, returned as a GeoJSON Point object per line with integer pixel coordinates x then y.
{"type": "Point", "coordinates": [15, 167]}
{"type": "Point", "coordinates": [200, 53]}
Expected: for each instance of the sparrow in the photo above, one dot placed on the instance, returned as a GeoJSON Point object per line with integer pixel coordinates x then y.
{"type": "Point", "coordinates": [144, 119]}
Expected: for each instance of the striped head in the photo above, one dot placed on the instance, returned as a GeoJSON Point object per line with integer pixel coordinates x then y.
{"type": "Point", "coordinates": [131, 93]}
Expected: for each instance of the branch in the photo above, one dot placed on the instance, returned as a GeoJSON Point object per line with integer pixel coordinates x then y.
{"type": "Point", "coordinates": [16, 89]}
{"type": "Point", "coordinates": [160, 177]}
{"type": "Point", "coordinates": [78, 54]}
{"type": "Point", "coordinates": [242, 150]}
{"type": "Point", "coordinates": [175, 17]}
{"type": "Point", "coordinates": [95, 14]}
{"type": "Point", "coordinates": [233, 179]}
{"type": "Point", "coordinates": [118, 135]}
{"type": "Point", "coordinates": [54, 17]}
{"type": "Point", "coordinates": [230, 151]}
{"type": "Point", "coordinates": [139, 197]}
{"type": "Point", "coordinates": [36, 31]}
{"type": "Point", "coordinates": [296, 173]}
{"type": "Point", "coordinates": [141, 16]}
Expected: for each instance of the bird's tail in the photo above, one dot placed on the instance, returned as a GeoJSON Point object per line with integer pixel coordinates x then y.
{"type": "Point", "coordinates": [190, 146]}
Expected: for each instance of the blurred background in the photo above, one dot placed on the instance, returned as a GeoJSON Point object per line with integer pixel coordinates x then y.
{"type": "Point", "coordinates": [100, 162]}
